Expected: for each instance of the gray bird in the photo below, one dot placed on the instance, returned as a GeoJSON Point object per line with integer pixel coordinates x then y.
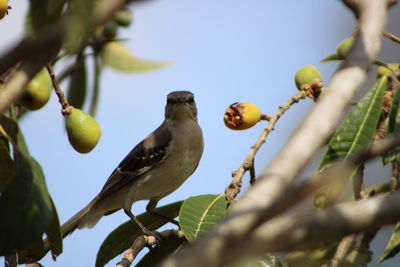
{"type": "Point", "coordinates": [153, 169]}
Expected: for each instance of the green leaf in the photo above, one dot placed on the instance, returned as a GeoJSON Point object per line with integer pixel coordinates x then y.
{"type": "Point", "coordinates": [394, 127]}
{"type": "Point", "coordinates": [7, 167]}
{"type": "Point", "coordinates": [25, 204]}
{"type": "Point", "coordinates": [53, 233]}
{"type": "Point", "coordinates": [393, 246]}
{"type": "Point", "coordinates": [358, 128]}
{"type": "Point", "coordinates": [267, 260]}
{"type": "Point", "coordinates": [9, 126]}
{"type": "Point", "coordinates": [310, 258]}
{"type": "Point", "coordinates": [200, 213]}
{"type": "Point", "coordinates": [54, 5]}
{"type": "Point", "coordinates": [42, 15]}
{"type": "Point", "coordinates": [79, 24]}
{"type": "Point", "coordinates": [122, 237]}
{"type": "Point", "coordinates": [118, 57]}
{"type": "Point", "coordinates": [354, 134]}
{"type": "Point", "coordinates": [333, 57]}
{"type": "Point", "coordinates": [164, 249]}
{"type": "Point", "coordinates": [394, 111]}
{"type": "Point", "coordinates": [53, 242]}
{"type": "Point", "coordinates": [380, 63]}
{"type": "Point", "coordinates": [78, 84]}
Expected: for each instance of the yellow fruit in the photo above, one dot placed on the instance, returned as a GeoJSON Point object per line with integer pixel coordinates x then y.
{"type": "Point", "coordinates": [83, 131]}
{"type": "Point", "coordinates": [393, 67]}
{"type": "Point", "coordinates": [307, 75]}
{"type": "Point", "coordinates": [241, 116]}
{"type": "Point", "coordinates": [37, 92]}
{"type": "Point", "coordinates": [344, 47]}
{"type": "Point", "coordinates": [3, 8]}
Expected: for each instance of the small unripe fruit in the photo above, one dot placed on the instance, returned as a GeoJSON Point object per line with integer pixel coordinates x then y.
{"type": "Point", "coordinates": [344, 47]}
{"type": "Point", "coordinates": [3, 8]}
{"type": "Point", "coordinates": [123, 18]}
{"type": "Point", "coordinates": [37, 92]}
{"type": "Point", "coordinates": [394, 68]}
{"type": "Point", "coordinates": [307, 75]}
{"type": "Point", "coordinates": [241, 116]}
{"type": "Point", "coordinates": [110, 30]}
{"type": "Point", "coordinates": [83, 130]}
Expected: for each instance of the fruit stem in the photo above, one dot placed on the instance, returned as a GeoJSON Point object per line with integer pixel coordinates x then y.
{"type": "Point", "coordinates": [234, 187]}
{"type": "Point", "coordinates": [392, 37]}
{"type": "Point", "coordinates": [65, 107]}
{"type": "Point", "coordinates": [265, 117]}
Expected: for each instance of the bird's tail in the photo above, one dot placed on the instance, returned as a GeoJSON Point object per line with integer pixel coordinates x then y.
{"type": "Point", "coordinates": [83, 219]}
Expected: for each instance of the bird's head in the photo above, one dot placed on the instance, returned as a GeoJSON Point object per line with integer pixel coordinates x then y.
{"type": "Point", "coordinates": [180, 105]}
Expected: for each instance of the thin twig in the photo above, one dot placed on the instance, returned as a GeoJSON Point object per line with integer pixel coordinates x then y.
{"type": "Point", "coordinates": [392, 37]}
{"type": "Point", "coordinates": [65, 107]}
{"type": "Point", "coordinates": [358, 182]}
{"type": "Point", "coordinates": [143, 241]}
{"type": "Point", "coordinates": [341, 251]}
{"type": "Point", "coordinates": [394, 185]}
{"type": "Point", "coordinates": [252, 173]}
{"type": "Point", "coordinates": [234, 187]}
{"type": "Point", "coordinates": [76, 66]}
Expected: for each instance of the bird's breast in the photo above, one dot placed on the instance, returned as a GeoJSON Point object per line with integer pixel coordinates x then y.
{"type": "Point", "coordinates": [183, 156]}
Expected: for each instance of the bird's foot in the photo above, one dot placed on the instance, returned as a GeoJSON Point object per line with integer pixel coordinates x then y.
{"type": "Point", "coordinates": [156, 235]}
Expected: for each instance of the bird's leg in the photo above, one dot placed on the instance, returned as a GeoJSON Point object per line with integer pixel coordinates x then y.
{"type": "Point", "coordinates": [151, 210]}
{"type": "Point", "coordinates": [141, 226]}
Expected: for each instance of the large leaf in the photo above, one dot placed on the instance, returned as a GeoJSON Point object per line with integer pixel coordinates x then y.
{"type": "Point", "coordinates": [166, 248]}
{"type": "Point", "coordinates": [53, 233]}
{"type": "Point", "coordinates": [394, 126]}
{"type": "Point", "coordinates": [310, 258]}
{"type": "Point", "coordinates": [122, 237]}
{"type": "Point", "coordinates": [200, 213]}
{"type": "Point", "coordinates": [358, 128]}
{"type": "Point", "coordinates": [25, 204]}
{"type": "Point", "coordinates": [354, 134]}
{"type": "Point", "coordinates": [42, 15]}
{"type": "Point", "coordinates": [53, 242]}
{"type": "Point", "coordinates": [78, 84]}
{"type": "Point", "coordinates": [79, 23]}
{"type": "Point", "coordinates": [7, 166]}
{"type": "Point", "coordinates": [118, 57]}
{"type": "Point", "coordinates": [8, 132]}
{"type": "Point", "coordinates": [393, 246]}
{"type": "Point", "coordinates": [394, 111]}
{"type": "Point", "coordinates": [267, 260]}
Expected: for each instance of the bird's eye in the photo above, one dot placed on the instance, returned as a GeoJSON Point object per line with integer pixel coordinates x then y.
{"type": "Point", "coordinates": [171, 101]}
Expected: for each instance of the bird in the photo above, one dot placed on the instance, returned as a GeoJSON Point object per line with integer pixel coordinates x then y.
{"type": "Point", "coordinates": [153, 169]}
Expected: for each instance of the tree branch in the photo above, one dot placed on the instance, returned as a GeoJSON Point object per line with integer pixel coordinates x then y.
{"type": "Point", "coordinates": [37, 50]}
{"type": "Point", "coordinates": [234, 187]}
{"type": "Point", "coordinates": [214, 248]}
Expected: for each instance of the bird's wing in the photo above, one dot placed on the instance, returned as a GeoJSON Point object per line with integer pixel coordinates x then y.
{"type": "Point", "coordinates": [143, 157]}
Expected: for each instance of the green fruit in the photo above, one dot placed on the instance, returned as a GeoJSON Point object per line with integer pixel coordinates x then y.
{"type": "Point", "coordinates": [388, 71]}
{"type": "Point", "coordinates": [83, 130]}
{"type": "Point", "coordinates": [307, 75]}
{"type": "Point", "coordinates": [110, 30]}
{"type": "Point", "coordinates": [37, 92]}
{"type": "Point", "coordinates": [123, 18]}
{"type": "Point", "coordinates": [344, 47]}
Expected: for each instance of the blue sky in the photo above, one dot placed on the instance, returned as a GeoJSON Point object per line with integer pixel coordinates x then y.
{"type": "Point", "coordinates": [223, 51]}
